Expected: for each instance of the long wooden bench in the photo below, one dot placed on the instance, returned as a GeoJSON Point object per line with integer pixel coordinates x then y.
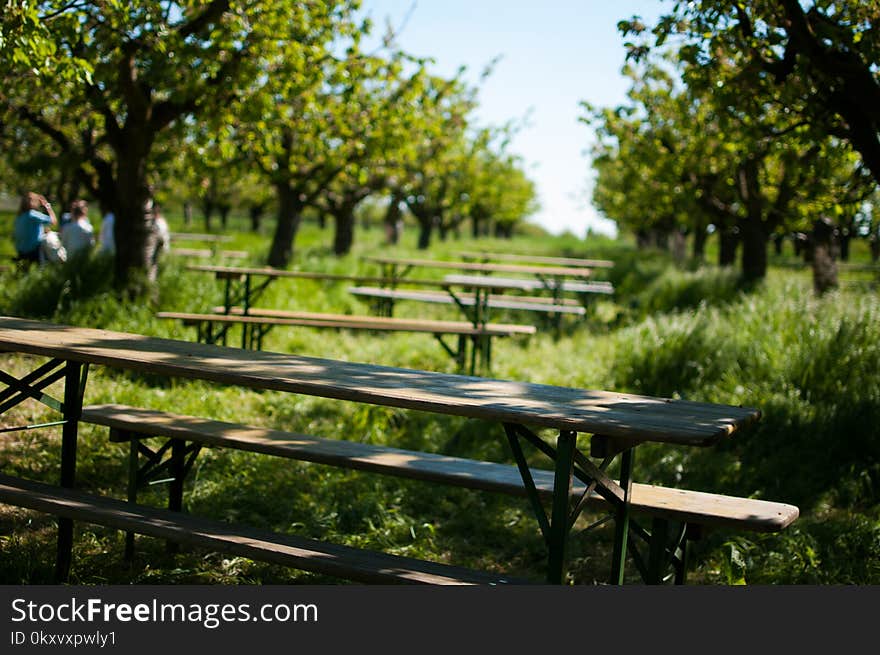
{"type": "Point", "coordinates": [257, 322]}
{"type": "Point", "coordinates": [532, 285]}
{"type": "Point", "coordinates": [287, 550]}
{"type": "Point", "coordinates": [469, 300]}
{"type": "Point", "coordinates": [691, 509]}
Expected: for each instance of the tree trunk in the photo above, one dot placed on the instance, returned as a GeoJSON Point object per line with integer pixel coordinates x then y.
{"type": "Point", "coordinates": [754, 250]}
{"type": "Point", "coordinates": [874, 245]}
{"type": "Point", "coordinates": [824, 266]}
{"type": "Point", "coordinates": [426, 227]}
{"type": "Point", "coordinates": [256, 214]}
{"type": "Point", "coordinates": [344, 236]}
{"type": "Point", "coordinates": [134, 267]}
{"type": "Point", "coordinates": [207, 210]}
{"type": "Point", "coordinates": [728, 242]}
{"type": "Point", "coordinates": [679, 247]}
{"type": "Point", "coordinates": [699, 247]}
{"type": "Point", "coordinates": [843, 240]}
{"type": "Point", "coordinates": [393, 221]}
{"type": "Point", "coordinates": [224, 216]}
{"type": "Point", "coordinates": [289, 216]}
{"type": "Point", "coordinates": [777, 243]}
{"type": "Point", "coordinates": [187, 214]}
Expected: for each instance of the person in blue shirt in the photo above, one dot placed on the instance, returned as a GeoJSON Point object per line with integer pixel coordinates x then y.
{"type": "Point", "coordinates": [29, 225]}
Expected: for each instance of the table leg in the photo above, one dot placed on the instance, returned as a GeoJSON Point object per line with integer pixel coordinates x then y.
{"type": "Point", "coordinates": [74, 384]}
{"type": "Point", "coordinates": [621, 518]}
{"type": "Point", "coordinates": [559, 517]}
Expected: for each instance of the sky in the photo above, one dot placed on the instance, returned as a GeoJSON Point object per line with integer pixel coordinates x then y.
{"type": "Point", "coordinates": [553, 55]}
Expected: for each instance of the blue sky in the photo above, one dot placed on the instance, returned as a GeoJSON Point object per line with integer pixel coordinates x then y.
{"type": "Point", "coordinates": [554, 54]}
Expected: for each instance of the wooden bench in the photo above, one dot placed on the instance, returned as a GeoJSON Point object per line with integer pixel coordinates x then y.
{"type": "Point", "coordinates": [258, 322]}
{"type": "Point", "coordinates": [520, 284]}
{"type": "Point", "coordinates": [287, 550]}
{"type": "Point", "coordinates": [690, 509]}
{"type": "Point", "coordinates": [540, 305]}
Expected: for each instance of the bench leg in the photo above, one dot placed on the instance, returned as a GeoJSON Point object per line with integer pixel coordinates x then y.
{"type": "Point", "coordinates": [657, 551]}
{"type": "Point", "coordinates": [74, 385]}
{"type": "Point", "coordinates": [175, 488]}
{"type": "Point", "coordinates": [132, 493]}
{"type": "Point", "coordinates": [621, 530]}
{"type": "Point", "coordinates": [559, 521]}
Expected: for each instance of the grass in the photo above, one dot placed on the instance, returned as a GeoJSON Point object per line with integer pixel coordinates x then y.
{"type": "Point", "coordinates": [809, 364]}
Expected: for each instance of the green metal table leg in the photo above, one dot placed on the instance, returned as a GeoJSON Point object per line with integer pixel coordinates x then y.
{"type": "Point", "coordinates": [559, 521]}
{"type": "Point", "coordinates": [621, 518]}
{"type": "Point", "coordinates": [175, 489]}
{"type": "Point", "coordinates": [74, 383]}
{"type": "Point", "coordinates": [132, 492]}
{"type": "Point", "coordinates": [657, 551]}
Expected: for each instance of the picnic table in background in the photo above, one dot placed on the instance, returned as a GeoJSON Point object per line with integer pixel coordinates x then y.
{"type": "Point", "coordinates": [396, 269]}
{"type": "Point", "coordinates": [243, 289]}
{"type": "Point", "coordinates": [487, 257]}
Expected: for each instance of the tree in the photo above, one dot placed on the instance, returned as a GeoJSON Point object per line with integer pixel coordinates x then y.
{"type": "Point", "coordinates": [699, 154]}
{"type": "Point", "coordinates": [820, 61]}
{"type": "Point", "coordinates": [155, 64]}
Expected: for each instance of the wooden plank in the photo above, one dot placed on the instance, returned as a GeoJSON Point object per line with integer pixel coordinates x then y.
{"type": "Point", "coordinates": [538, 259]}
{"type": "Point", "coordinates": [354, 323]}
{"type": "Point", "coordinates": [235, 272]}
{"type": "Point", "coordinates": [207, 238]}
{"type": "Point", "coordinates": [287, 550]}
{"type": "Point", "coordinates": [675, 504]}
{"type": "Point", "coordinates": [377, 322]}
{"type": "Point", "coordinates": [614, 414]}
{"type": "Point", "coordinates": [468, 300]}
{"type": "Point", "coordinates": [485, 268]}
{"type": "Point", "coordinates": [519, 284]}
{"type": "Point", "coordinates": [207, 254]}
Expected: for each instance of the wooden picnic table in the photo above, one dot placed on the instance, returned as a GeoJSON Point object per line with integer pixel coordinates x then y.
{"type": "Point", "coordinates": [619, 422]}
{"type": "Point", "coordinates": [395, 268]}
{"type": "Point", "coordinates": [243, 285]}
{"type": "Point", "coordinates": [487, 257]}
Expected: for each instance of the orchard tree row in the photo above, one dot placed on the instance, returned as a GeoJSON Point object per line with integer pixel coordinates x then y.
{"type": "Point", "coordinates": [262, 103]}
{"type": "Point", "coordinates": [750, 119]}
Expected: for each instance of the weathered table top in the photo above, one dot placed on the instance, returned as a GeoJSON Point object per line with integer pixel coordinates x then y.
{"type": "Point", "coordinates": [538, 259]}
{"type": "Point", "coordinates": [221, 271]}
{"type": "Point", "coordinates": [485, 268]}
{"type": "Point", "coordinates": [522, 284]}
{"type": "Point", "coordinates": [538, 405]}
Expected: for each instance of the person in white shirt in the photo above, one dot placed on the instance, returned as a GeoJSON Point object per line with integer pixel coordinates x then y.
{"type": "Point", "coordinates": [78, 236]}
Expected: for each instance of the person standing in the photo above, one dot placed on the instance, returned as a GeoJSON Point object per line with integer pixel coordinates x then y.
{"type": "Point", "coordinates": [30, 223]}
{"type": "Point", "coordinates": [78, 235]}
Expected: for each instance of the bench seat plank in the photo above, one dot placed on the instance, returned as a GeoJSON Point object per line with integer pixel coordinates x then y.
{"type": "Point", "coordinates": [521, 284]}
{"type": "Point", "coordinates": [712, 510]}
{"type": "Point", "coordinates": [347, 321]}
{"type": "Point", "coordinates": [468, 300]}
{"type": "Point", "coordinates": [287, 550]}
